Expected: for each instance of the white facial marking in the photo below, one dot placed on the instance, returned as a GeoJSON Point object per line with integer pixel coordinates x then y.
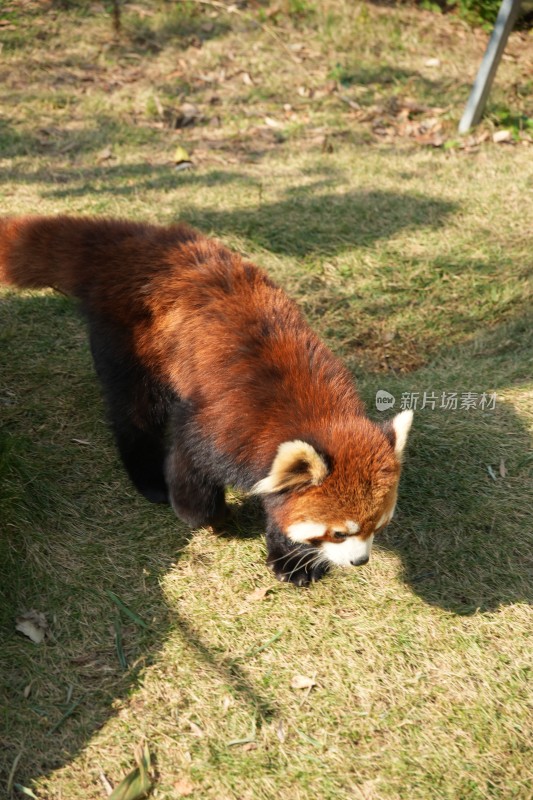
{"type": "Point", "coordinates": [303, 531]}
{"type": "Point", "coordinates": [351, 526]}
{"type": "Point", "coordinates": [345, 553]}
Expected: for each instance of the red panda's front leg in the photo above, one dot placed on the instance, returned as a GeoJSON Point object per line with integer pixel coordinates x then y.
{"type": "Point", "coordinates": [294, 563]}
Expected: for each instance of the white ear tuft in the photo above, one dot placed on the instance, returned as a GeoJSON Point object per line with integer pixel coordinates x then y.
{"type": "Point", "coordinates": [401, 425]}
{"type": "Point", "coordinates": [296, 464]}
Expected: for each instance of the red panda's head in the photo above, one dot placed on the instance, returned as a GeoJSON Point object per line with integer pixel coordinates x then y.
{"type": "Point", "coordinates": [337, 500]}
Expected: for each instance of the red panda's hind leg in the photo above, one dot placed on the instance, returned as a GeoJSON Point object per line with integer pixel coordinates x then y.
{"type": "Point", "coordinates": [294, 563]}
{"type": "Point", "coordinates": [143, 456]}
{"type": "Point", "coordinates": [138, 409]}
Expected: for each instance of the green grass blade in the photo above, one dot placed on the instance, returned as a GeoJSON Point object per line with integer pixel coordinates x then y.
{"type": "Point", "coordinates": [256, 650]}
{"type": "Point", "coordinates": [118, 643]}
{"type": "Point", "coordinates": [137, 784]}
{"type": "Point", "coordinates": [134, 786]}
{"type": "Point", "coordinates": [68, 713]}
{"type": "Point", "coordinates": [127, 611]}
{"type": "Point", "coordinates": [25, 791]}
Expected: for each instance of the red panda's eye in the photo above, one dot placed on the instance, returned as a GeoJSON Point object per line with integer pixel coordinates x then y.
{"type": "Point", "coordinates": [339, 536]}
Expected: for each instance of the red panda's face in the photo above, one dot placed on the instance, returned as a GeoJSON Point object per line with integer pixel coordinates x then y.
{"type": "Point", "coordinates": [343, 528]}
{"type": "Point", "coordinates": [339, 504]}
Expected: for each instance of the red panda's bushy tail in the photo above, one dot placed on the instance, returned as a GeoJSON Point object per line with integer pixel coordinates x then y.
{"type": "Point", "coordinates": [39, 252]}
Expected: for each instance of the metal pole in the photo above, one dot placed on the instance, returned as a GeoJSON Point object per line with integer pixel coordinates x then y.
{"type": "Point", "coordinates": [478, 96]}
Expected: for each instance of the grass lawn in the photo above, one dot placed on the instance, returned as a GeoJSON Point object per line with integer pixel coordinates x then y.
{"type": "Point", "coordinates": [323, 139]}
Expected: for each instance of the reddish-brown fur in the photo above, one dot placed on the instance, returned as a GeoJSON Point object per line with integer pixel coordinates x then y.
{"type": "Point", "coordinates": [171, 286]}
{"type": "Point", "coordinates": [215, 330]}
{"type": "Point", "coordinates": [372, 490]}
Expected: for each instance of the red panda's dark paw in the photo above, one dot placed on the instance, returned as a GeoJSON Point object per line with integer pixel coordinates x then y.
{"type": "Point", "coordinates": [298, 568]}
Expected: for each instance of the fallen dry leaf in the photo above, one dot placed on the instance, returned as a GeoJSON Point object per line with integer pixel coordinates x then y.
{"type": "Point", "coordinates": [33, 624]}
{"type": "Point", "coordinates": [258, 594]}
{"type": "Point", "coordinates": [183, 787]}
{"type": "Point", "coordinates": [366, 790]}
{"type": "Point", "coordinates": [181, 154]}
{"type": "Point", "coordinates": [195, 729]}
{"type": "Point", "coordinates": [104, 155]}
{"type": "Point", "coordinates": [352, 103]}
{"type": "Point", "coordinates": [302, 682]}
{"type": "Point", "coordinates": [503, 470]}
{"type": "Point", "coordinates": [502, 136]}
{"type": "Point", "coordinates": [273, 123]}
{"type": "Point", "coordinates": [182, 159]}
{"type": "Point", "coordinates": [159, 106]}
{"type": "Point", "coordinates": [249, 746]}
{"type": "Point", "coordinates": [188, 114]}
{"type": "Point", "coordinates": [254, 597]}
{"type": "Point", "coordinates": [227, 703]}
{"type": "Point", "coordinates": [273, 10]}
{"type": "Point", "coordinates": [142, 12]}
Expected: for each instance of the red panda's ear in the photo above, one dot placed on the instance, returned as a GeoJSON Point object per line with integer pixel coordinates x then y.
{"type": "Point", "coordinates": [397, 430]}
{"type": "Point", "coordinates": [296, 464]}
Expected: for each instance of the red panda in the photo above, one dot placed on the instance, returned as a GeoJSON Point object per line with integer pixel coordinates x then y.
{"type": "Point", "coordinates": [212, 377]}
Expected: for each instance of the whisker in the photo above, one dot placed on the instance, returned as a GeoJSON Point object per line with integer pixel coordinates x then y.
{"type": "Point", "coordinates": [289, 557]}
{"type": "Point", "coordinates": [295, 568]}
{"type": "Point", "coordinates": [311, 560]}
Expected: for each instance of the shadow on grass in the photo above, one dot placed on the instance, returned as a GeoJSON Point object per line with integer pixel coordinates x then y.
{"type": "Point", "coordinates": [144, 34]}
{"type": "Point", "coordinates": [73, 530]}
{"type": "Point", "coordinates": [124, 179]}
{"type": "Point", "coordinates": [182, 23]}
{"type": "Point", "coordinates": [382, 76]}
{"type": "Point", "coordinates": [306, 222]}
{"type": "Point", "coordinates": [463, 531]}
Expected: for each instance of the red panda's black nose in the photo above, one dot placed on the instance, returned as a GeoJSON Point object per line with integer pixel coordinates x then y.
{"type": "Point", "coordinates": [360, 561]}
